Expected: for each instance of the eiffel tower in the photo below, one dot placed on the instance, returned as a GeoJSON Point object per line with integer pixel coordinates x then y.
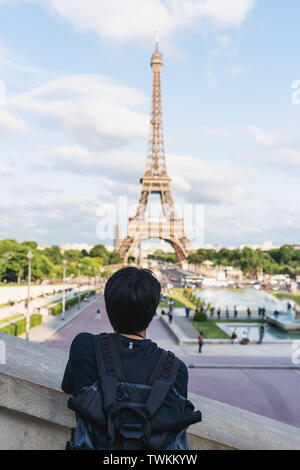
{"type": "Point", "coordinates": [169, 227]}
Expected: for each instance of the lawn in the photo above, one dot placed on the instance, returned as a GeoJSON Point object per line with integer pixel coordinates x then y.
{"type": "Point", "coordinates": [164, 304]}
{"type": "Point", "coordinates": [287, 296]}
{"type": "Point", "coordinates": [181, 299]}
{"type": "Point", "coordinates": [5, 305]}
{"type": "Point", "coordinates": [210, 330]}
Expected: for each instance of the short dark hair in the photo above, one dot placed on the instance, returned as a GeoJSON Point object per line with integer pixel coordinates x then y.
{"type": "Point", "coordinates": [131, 299]}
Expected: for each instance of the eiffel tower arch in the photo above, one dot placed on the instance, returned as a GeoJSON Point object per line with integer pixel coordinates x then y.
{"type": "Point", "coordinates": [169, 227]}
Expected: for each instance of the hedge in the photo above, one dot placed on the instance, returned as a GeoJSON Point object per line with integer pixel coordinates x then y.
{"type": "Point", "coordinates": [19, 327]}
{"type": "Point", "coordinates": [200, 316]}
{"type": "Point", "coordinates": [57, 308]}
{"type": "Point", "coordinates": [35, 320]}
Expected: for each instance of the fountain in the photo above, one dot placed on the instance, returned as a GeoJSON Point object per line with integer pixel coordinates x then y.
{"type": "Point", "coordinates": [284, 325]}
{"type": "Point", "coordinates": [286, 321]}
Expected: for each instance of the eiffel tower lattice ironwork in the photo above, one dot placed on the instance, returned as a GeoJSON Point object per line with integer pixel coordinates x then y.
{"type": "Point", "coordinates": [169, 227]}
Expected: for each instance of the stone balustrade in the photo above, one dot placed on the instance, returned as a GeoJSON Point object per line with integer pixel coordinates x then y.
{"type": "Point", "coordinates": [34, 413]}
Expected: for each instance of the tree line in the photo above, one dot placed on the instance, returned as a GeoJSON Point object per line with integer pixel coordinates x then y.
{"type": "Point", "coordinates": [47, 263]}
{"type": "Point", "coordinates": [283, 260]}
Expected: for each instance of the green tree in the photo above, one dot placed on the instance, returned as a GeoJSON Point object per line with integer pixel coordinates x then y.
{"type": "Point", "coordinates": [53, 254]}
{"type": "Point", "coordinates": [30, 245]}
{"type": "Point", "coordinates": [72, 255]}
{"type": "Point", "coordinates": [41, 267]}
{"type": "Point", "coordinates": [100, 251]}
{"type": "Point", "coordinates": [16, 265]}
{"type": "Point", "coordinates": [115, 258]}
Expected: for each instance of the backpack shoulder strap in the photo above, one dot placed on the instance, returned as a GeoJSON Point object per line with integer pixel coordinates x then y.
{"type": "Point", "coordinates": [166, 369]}
{"type": "Point", "coordinates": [162, 378]}
{"type": "Point", "coordinates": [107, 356]}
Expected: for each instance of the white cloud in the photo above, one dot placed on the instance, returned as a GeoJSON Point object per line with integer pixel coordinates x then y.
{"type": "Point", "coordinates": [54, 218]}
{"type": "Point", "coordinates": [236, 70]}
{"type": "Point", "coordinates": [92, 109]}
{"type": "Point", "coordinates": [47, 188]}
{"type": "Point", "coordinates": [280, 147]}
{"type": "Point", "coordinates": [223, 131]}
{"type": "Point", "coordinates": [193, 179]}
{"type": "Point", "coordinates": [11, 123]}
{"type": "Point", "coordinates": [136, 20]}
{"type": "Point", "coordinates": [8, 60]}
{"type": "Point", "coordinates": [5, 169]}
{"type": "Point", "coordinates": [265, 138]}
{"type": "Point", "coordinates": [114, 165]}
{"type": "Point", "coordinates": [207, 182]}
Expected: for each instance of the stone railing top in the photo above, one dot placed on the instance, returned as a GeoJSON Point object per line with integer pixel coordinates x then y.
{"type": "Point", "coordinates": [30, 384]}
{"type": "Point", "coordinates": [33, 362]}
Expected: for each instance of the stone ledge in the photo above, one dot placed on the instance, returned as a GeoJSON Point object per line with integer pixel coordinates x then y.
{"type": "Point", "coordinates": [34, 413]}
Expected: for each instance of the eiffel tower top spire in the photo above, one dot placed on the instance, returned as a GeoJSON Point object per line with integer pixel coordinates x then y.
{"type": "Point", "coordinates": [156, 160]}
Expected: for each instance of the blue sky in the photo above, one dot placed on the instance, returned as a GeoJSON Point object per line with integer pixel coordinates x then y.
{"type": "Point", "coordinates": [74, 126]}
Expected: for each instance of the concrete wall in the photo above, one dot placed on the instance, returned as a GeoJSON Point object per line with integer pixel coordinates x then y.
{"type": "Point", "coordinates": [20, 292]}
{"type": "Point", "coordinates": [34, 413]}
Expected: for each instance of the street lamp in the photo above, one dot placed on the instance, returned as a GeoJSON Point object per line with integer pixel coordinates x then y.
{"type": "Point", "coordinates": [29, 257]}
{"type": "Point", "coordinates": [64, 291]}
{"type": "Point", "coordinates": [79, 266]}
{"type": "Point", "coordinates": [89, 268]}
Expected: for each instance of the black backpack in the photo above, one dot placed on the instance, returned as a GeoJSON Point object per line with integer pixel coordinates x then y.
{"type": "Point", "coordinates": [113, 414]}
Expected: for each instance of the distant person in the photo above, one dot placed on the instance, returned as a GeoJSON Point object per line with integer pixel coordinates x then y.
{"type": "Point", "coordinates": [234, 338]}
{"type": "Point", "coordinates": [227, 312]}
{"type": "Point", "coordinates": [219, 313]}
{"type": "Point", "coordinates": [98, 315]}
{"type": "Point", "coordinates": [263, 312]}
{"type": "Point", "coordinates": [249, 312]}
{"type": "Point", "coordinates": [187, 311]}
{"type": "Point", "coordinates": [289, 306]}
{"type": "Point", "coordinates": [245, 339]}
{"type": "Point", "coordinates": [170, 316]}
{"type": "Point", "coordinates": [200, 341]}
{"type": "Point", "coordinates": [259, 311]}
{"type": "Point", "coordinates": [261, 334]}
{"type": "Point", "coordinates": [212, 312]}
{"type": "Point", "coordinates": [235, 312]}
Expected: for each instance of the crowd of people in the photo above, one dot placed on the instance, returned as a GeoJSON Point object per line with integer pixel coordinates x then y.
{"type": "Point", "coordinates": [212, 310]}
{"type": "Point", "coordinates": [235, 339]}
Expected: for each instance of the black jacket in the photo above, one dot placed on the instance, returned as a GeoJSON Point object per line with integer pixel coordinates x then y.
{"type": "Point", "coordinates": [138, 363]}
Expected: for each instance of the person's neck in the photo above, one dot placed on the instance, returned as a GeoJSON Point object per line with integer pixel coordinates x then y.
{"type": "Point", "coordinates": [143, 335]}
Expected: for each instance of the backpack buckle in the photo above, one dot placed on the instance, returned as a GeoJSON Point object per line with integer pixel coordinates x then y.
{"type": "Point", "coordinates": [123, 393]}
{"type": "Point", "coordinates": [131, 431]}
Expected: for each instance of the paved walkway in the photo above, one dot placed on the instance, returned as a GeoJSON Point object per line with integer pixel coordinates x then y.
{"type": "Point", "coordinates": [186, 326]}
{"type": "Point", "coordinates": [52, 324]}
{"type": "Point", "coordinates": [223, 372]}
